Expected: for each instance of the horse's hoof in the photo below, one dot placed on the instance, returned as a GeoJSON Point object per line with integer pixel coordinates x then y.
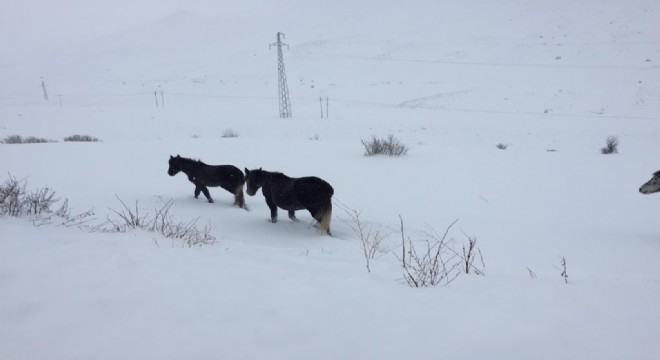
{"type": "Point", "coordinates": [211, 201]}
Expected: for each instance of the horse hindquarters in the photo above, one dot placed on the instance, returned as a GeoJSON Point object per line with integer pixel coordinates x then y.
{"type": "Point", "coordinates": [321, 211]}
{"type": "Point", "coordinates": [316, 196]}
{"type": "Point", "coordinates": [324, 215]}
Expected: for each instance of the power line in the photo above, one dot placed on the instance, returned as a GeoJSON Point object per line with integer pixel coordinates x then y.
{"type": "Point", "coordinates": [501, 112]}
{"type": "Point", "coordinates": [491, 64]}
{"type": "Point", "coordinates": [222, 96]}
{"type": "Point", "coordinates": [355, 102]}
{"type": "Point", "coordinates": [494, 44]}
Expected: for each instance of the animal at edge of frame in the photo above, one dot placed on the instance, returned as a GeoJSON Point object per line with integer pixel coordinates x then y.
{"type": "Point", "coordinates": [651, 186]}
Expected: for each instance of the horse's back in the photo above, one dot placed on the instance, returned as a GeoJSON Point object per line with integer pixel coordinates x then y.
{"type": "Point", "coordinates": [230, 171]}
{"type": "Point", "coordinates": [226, 176]}
{"type": "Point", "coordinates": [312, 187]}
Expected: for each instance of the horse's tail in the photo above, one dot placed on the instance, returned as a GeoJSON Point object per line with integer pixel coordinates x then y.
{"type": "Point", "coordinates": [325, 216]}
{"type": "Point", "coordinates": [239, 198]}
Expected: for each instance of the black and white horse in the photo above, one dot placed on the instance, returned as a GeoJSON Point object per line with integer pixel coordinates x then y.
{"type": "Point", "coordinates": [651, 186]}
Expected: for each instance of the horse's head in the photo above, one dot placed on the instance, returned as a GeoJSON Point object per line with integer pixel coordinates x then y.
{"type": "Point", "coordinates": [652, 185]}
{"type": "Point", "coordinates": [254, 180]}
{"type": "Point", "coordinates": [174, 165]}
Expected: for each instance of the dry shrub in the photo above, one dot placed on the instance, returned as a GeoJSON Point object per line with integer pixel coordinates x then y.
{"type": "Point", "coordinates": [81, 138]}
{"type": "Point", "coordinates": [390, 146]}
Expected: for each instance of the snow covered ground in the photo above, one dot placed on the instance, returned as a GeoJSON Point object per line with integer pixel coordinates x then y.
{"type": "Point", "coordinates": [451, 79]}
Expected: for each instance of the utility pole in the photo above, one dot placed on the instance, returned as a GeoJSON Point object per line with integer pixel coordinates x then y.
{"type": "Point", "coordinates": [43, 87]}
{"type": "Point", "coordinates": [283, 90]}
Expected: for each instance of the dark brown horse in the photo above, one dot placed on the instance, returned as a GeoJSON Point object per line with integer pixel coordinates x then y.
{"type": "Point", "coordinates": [651, 186]}
{"type": "Point", "coordinates": [291, 194]}
{"type": "Point", "coordinates": [228, 177]}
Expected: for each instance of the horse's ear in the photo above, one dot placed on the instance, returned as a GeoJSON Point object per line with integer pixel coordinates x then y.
{"type": "Point", "coordinates": [259, 169]}
{"type": "Point", "coordinates": [178, 156]}
{"type": "Point", "coordinates": [247, 171]}
{"type": "Point", "coordinates": [171, 157]}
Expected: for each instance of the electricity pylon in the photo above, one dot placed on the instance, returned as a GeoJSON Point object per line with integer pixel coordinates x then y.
{"type": "Point", "coordinates": [285, 104]}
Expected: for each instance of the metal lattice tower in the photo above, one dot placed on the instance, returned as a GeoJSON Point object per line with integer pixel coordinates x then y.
{"type": "Point", "coordinates": [285, 103]}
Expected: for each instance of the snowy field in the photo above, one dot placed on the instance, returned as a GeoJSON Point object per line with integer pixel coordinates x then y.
{"type": "Point", "coordinates": [451, 79]}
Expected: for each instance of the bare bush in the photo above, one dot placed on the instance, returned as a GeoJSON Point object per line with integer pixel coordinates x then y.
{"type": "Point", "coordinates": [563, 269]}
{"type": "Point", "coordinates": [229, 133]}
{"type": "Point", "coordinates": [36, 140]}
{"type": "Point", "coordinates": [611, 145]}
{"type": "Point", "coordinates": [17, 139]}
{"type": "Point", "coordinates": [73, 220]}
{"type": "Point", "coordinates": [432, 263]}
{"type": "Point", "coordinates": [469, 254]}
{"type": "Point", "coordinates": [390, 146]}
{"type": "Point", "coordinates": [161, 222]}
{"type": "Point", "coordinates": [16, 200]}
{"type": "Point", "coordinates": [371, 240]}
{"type": "Point", "coordinates": [81, 138]}
{"type": "Point", "coordinates": [433, 260]}
{"type": "Point", "coordinates": [39, 201]}
{"type": "Point", "coordinates": [502, 146]}
{"type": "Point", "coordinates": [12, 194]}
{"type": "Point", "coordinates": [12, 139]}
{"type": "Point", "coordinates": [532, 274]}
{"type": "Point", "coordinates": [127, 218]}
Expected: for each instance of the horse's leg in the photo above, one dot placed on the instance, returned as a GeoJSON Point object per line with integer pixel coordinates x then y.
{"type": "Point", "coordinates": [273, 209]}
{"type": "Point", "coordinates": [205, 190]}
{"type": "Point", "coordinates": [292, 215]}
{"type": "Point", "coordinates": [197, 191]}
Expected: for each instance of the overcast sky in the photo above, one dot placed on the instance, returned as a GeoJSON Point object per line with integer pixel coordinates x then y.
{"type": "Point", "coordinates": [28, 26]}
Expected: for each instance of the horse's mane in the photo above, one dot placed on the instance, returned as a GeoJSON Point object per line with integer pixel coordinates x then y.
{"type": "Point", "coordinates": [188, 160]}
{"type": "Point", "coordinates": [274, 173]}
